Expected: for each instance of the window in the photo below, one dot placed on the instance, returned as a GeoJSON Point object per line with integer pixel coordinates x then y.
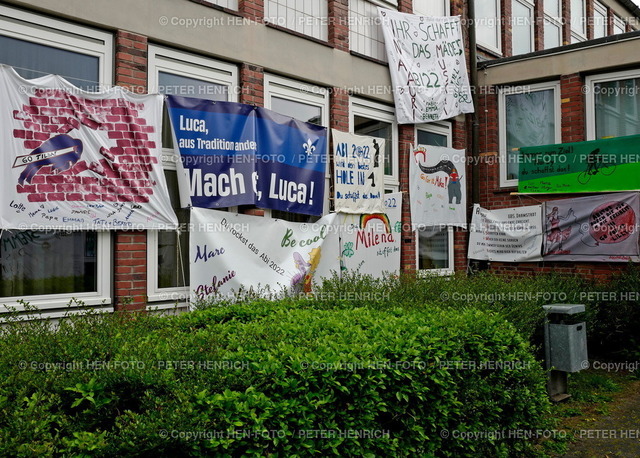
{"type": "Point", "coordinates": [436, 8]}
{"type": "Point", "coordinates": [306, 17]}
{"type": "Point", "coordinates": [578, 21]}
{"type": "Point", "coordinates": [618, 25]}
{"type": "Point", "coordinates": [306, 103]}
{"type": "Point", "coordinates": [613, 105]}
{"type": "Point", "coordinates": [552, 24]}
{"type": "Point", "coordinates": [599, 20]}
{"type": "Point", "coordinates": [522, 27]}
{"type": "Point", "coordinates": [488, 25]}
{"type": "Point", "coordinates": [47, 268]}
{"type": "Point", "coordinates": [178, 73]}
{"type": "Point", "coordinates": [365, 32]}
{"type": "Point", "coordinates": [231, 4]}
{"type": "Point", "coordinates": [377, 120]}
{"type": "Point", "coordinates": [434, 245]}
{"type": "Point", "coordinates": [529, 116]}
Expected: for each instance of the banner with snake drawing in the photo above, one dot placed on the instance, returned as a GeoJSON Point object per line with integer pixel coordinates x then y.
{"type": "Point", "coordinates": [437, 185]}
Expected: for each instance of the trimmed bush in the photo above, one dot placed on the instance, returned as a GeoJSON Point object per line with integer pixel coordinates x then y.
{"type": "Point", "coordinates": [286, 378]}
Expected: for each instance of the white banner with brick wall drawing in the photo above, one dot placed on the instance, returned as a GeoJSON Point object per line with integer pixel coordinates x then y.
{"type": "Point", "coordinates": [358, 162]}
{"type": "Point", "coordinates": [228, 251]}
{"type": "Point", "coordinates": [506, 234]}
{"type": "Point", "coordinates": [80, 160]}
{"type": "Point", "coordinates": [428, 67]}
{"type": "Point", "coordinates": [437, 186]}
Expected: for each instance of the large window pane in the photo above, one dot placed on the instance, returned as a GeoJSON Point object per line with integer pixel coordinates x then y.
{"type": "Point", "coordinates": [380, 129]}
{"type": "Point", "coordinates": [530, 121]}
{"type": "Point", "coordinates": [35, 263]}
{"type": "Point", "coordinates": [431, 138]}
{"type": "Point", "coordinates": [488, 24]}
{"type": "Point", "coordinates": [32, 60]}
{"type": "Point", "coordinates": [522, 28]}
{"type": "Point", "coordinates": [433, 251]}
{"type": "Point", "coordinates": [173, 251]}
{"type": "Point", "coordinates": [617, 108]}
{"type": "Point", "coordinates": [298, 110]}
{"type": "Point", "coordinates": [552, 34]}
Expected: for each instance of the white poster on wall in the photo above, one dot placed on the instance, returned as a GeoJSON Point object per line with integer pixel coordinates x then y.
{"type": "Point", "coordinates": [506, 234]}
{"type": "Point", "coordinates": [358, 162]}
{"type": "Point", "coordinates": [80, 160]}
{"type": "Point", "coordinates": [370, 243]}
{"type": "Point", "coordinates": [437, 186]}
{"type": "Point", "coordinates": [427, 65]}
{"type": "Point", "coordinates": [229, 251]}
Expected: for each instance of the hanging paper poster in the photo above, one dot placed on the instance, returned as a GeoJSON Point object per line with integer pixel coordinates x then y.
{"type": "Point", "coordinates": [370, 243]}
{"type": "Point", "coordinates": [358, 173]}
{"type": "Point", "coordinates": [80, 160]}
{"type": "Point", "coordinates": [437, 186]}
{"type": "Point", "coordinates": [235, 154]}
{"type": "Point", "coordinates": [595, 228]}
{"type": "Point", "coordinates": [428, 67]}
{"type": "Point", "coordinates": [506, 234]}
{"type": "Point", "coordinates": [230, 251]}
{"type": "Point", "coordinates": [611, 164]}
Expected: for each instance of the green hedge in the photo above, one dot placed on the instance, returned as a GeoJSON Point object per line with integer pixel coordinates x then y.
{"type": "Point", "coordinates": [285, 378]}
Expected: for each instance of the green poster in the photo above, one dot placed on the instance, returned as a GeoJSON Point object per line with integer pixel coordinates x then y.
{"type": "Point", "coordinates": [612, 164]}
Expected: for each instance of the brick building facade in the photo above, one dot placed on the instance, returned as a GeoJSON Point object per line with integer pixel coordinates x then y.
{"type": "Point", "coordinates": [326, 59]}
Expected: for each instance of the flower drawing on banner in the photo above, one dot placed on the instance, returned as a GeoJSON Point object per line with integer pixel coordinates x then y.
{"type": "Point", "coordinates": [309, 147]}
{"type": "Point", "coordinates": [348, 250]}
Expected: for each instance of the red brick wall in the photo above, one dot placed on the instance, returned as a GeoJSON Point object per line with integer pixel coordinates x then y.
{"type": "Point", "coordinates": [572, 108]}
{"type": "Point", "coordinates": [339, 24]}
{"type": "Point", "coordinates": [130, 248]}
{"type": "Point", "coordinates": [408, 244]}
{"type": "Point", "coordinates": [251, 84]}
{"type": "Point", "coordinates": [253, 9]}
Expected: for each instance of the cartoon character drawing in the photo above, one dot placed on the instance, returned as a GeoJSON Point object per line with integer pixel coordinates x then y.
{"type": "Point", "coordinates": [453, 187]}
{"type": "Point", "coordinates": [58, 162]}
{"type": "Point", "coordinates": [556, 235]}
{"type": "Point", "coordinates": [376, 155]}
{"type": "Point", "coordinates": [303, 279]}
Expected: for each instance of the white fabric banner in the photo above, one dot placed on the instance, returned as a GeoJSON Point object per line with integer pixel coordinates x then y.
{"type": "Point", "coordinates": [370, 243]}
{"type": "Point", "coordinates": [80, 160]}
{"type": "Point", "coordinates": [229, 251]}
{"type": "Point", "coordinates": [598, 228]}
{"type": "Point", "coordinates": [506, 234]}
{"type": "Point", "coordinates": [358, 173]}
{"type": "Point", "coordinates": [428, 67]}
{"type": "Point", "coordinates": [437, 187]}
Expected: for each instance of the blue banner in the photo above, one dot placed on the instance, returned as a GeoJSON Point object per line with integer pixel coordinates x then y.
{"type": "Point", "coordinates": [236, 154]}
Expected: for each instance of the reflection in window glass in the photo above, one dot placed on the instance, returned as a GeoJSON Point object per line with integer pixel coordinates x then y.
{"type": "Point", "coordinates": [172, 273]}
{"type": "Point", "coordinates": [297, 110]}
{"type": "Point", "coordinates": [433, 248]}
{"type": "Point", "coordinates": [34, 263]}
{"type": "Point", "coordinates": [617, 108]}
{"type": "Point", "coordinates": [33, 60]}
{"type": "Point", "coordinates": [431, 138]}
{"type": "Point", "coordinates": [380, 129]}
{"type": "Point", "coordinates": [530, 121]}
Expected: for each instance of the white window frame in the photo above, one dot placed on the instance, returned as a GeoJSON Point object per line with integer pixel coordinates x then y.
{"type": "Point", "coordinates": [309, 94]}
{"type": "Point", "coordinates": [554, 18]}
{"type": "Point", "coordinates": [579, 33]}
{"type": "Point", "coordinates": [502, 121]}
{"type": "Point", "coordinates": [380, 112]}
{"type": "Point", "coordinates": [441, 128]}
{"type": "Point", "coordinates": [378, 51]}
{"type": "Point", "coordinates": [529, 5]}
{"type": "Point", "coordinates": [446, 7]}
{"type": "Point", "coordinates": [490, 46]}
{"type": "Point", "coordinates": [167, 60]}
{"type": "Point", "coordinates": [590, 82]}
{"type": "Point", "coordinates": [618, 22]}
{"type": "Point", "coordinates": [229, 4]}
{"type": "Point", "coordinates": [43, 30]}
{"type": "Point", "coordinates": [600, 8]}
{"type": "Point", "coordinates": [312, 23]}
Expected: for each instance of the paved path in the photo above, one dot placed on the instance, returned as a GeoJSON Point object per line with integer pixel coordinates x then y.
{"type": "Point", "coordinates": [613, 435]}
